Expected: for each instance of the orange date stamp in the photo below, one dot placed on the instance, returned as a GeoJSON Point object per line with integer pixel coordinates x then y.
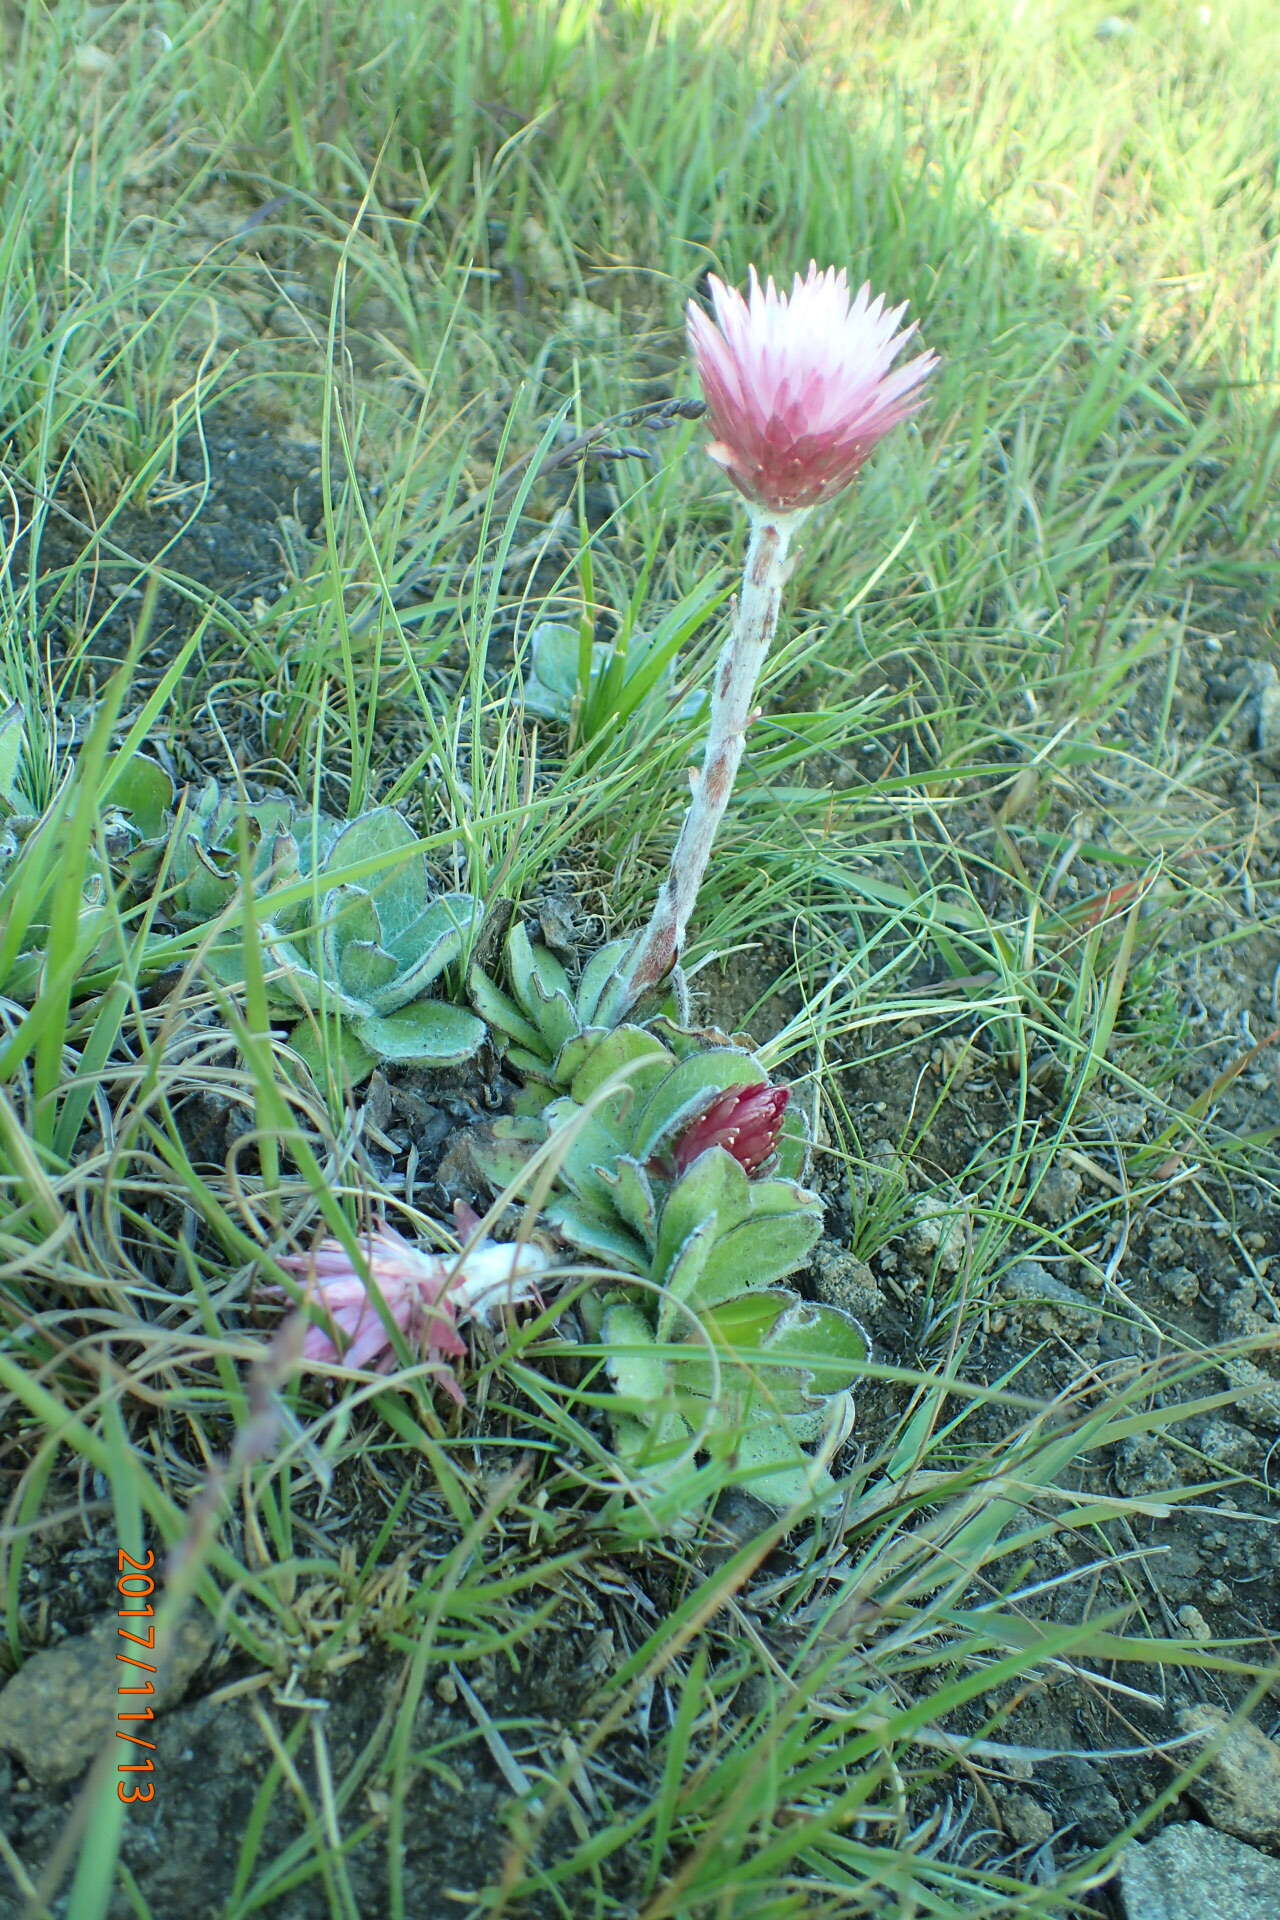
{"type": "Point", "coordinates": [135, 1587]}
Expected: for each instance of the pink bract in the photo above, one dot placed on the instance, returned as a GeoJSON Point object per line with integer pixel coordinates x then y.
{"type": "Point", "coordinates": [745, 1121]}
{"type": "Point", "coordinates": [425, 1294]}
{"type": "Point", "coordinates": [801, 387]}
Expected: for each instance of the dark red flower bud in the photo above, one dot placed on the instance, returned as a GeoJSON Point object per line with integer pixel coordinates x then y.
{"type": "Point", "coordinates": [745, 1121]}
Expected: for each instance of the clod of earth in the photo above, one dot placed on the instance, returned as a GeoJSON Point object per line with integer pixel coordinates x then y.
{"type": "Point", "coordinates": [59, 1708]}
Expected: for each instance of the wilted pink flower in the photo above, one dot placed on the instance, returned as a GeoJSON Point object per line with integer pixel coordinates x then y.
{"type": "Point", "coordinates": [798, 386]}
{"type": "Point", "coordinates": [745, 1121]}
{"type": "Point", "coordinates": [427, 1295]}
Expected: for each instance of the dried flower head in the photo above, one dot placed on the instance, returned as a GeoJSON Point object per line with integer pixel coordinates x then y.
{"type": "Point", "coordinates": [427, 1295]}
{"type": "Point", "coordinates": [799, 387]}
{"type": "Point", "coordinates": [745, 1121]}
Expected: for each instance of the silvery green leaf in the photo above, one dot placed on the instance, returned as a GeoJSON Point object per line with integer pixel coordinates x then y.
{"type": "Point", "coordinates": [781, 1196]}
{"type": "Point", "coordinates": [753, 1255]}
{"type": "Point", "coordinates": [401, 895]}
{"type": "Point", "coordinates": [556, 1019]}
{"type": "Point", "coordinates": [527, 963]}
{"type": "Point", "coordinates": [226, 965]}
{"type": "Point", "coordinates": [657, 1446]}
{"type": "Point", "coordinates": [794, 1149]}
{"type": "Point", "coordinates": [347, 914]}
{"type": "Point", "coordinates": [584, 1143]}
{"type": "Point", "coordinates": [533, 1066]}
{"type": "Point", "coordinates": [596, 976]}
{"type": "Point", "coordinates": [632, 1194]}
{"type": "Point", "coordinates": [681, 1280]}
{"type": "Point", "coordinates": [756, 1253]}
{"type": "Point", "coordinates": [594, 1230]}
{"type": "Point", "coordinates": [367, 970]}
{"type": "Point", "coordinates": [628, 1333]}
{"type": "Point", "coordinates": [370, 835]}
{"type": "Point", "coordinates": [26, 972]}
{"type": "Point", "coordinates": [400, 889]}
{"type": "Point", "coordinates": [292, 978]}
{"type": "Point", "coordinates": [503, 1151]}
{"type": "Point", "coordinates": [715, 1191]}
{"type": "Point", "coordinates": [427, 1033]}
{"type": "Point", "coordinates": [315, 834]}
{"type": "Point", "coordinates": [541, 986]}
{"type": "Point", "coordinates": [142, 789]}
{"type": "Point", "coordinates": [431, 943]}
{"type": "Point", "coordinates": [629, 1050]}
{"type": "Point", "coordinates": [499, 1011]}
{"type": "Point", "coordinates": [551, 683]}
{"type": "Point", "coordinates": [13, 734]}
{"type": "Point", "coordinates": [785, 1355]}
{"type": "Point", "coordinates": [339, 1053]}
{"type": "Point", "coordinates": [572, 1056]}
{"type": "Point", "coordinates": [773, 1467]}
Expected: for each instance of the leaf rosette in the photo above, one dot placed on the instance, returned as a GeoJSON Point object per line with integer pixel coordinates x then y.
{"type": "Point", "coordinates": [368, 951]}
{"type": "Point", "coordinates": [706, 1351]}
{"type": "Point", "coordinates": [546, 1022]}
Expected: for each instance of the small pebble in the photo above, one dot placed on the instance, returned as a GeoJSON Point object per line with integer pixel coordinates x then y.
{"type": "Point", "coordinates": [1194, 1622]}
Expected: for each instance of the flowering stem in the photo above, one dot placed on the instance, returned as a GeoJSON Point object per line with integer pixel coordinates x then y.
{"type": "Point", "coordinates": [755, 620]}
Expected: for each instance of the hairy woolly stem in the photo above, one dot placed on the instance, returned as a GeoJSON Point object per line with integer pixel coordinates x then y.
{"type": "Point", "coordinates": [737, 674]}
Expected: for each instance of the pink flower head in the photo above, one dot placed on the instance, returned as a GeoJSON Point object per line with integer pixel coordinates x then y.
{"type": "Point", "coordinates": [745, 1121]}
{"type": "Point", "coordinates": [426, 1295]}
{"type": "Point", "coordinates": [799, 387]}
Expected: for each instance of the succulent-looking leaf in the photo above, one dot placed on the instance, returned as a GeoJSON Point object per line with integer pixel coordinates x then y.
{"type": "Point", "coordinates": [503, 1151]}
{"type": "Point", "coordinates": [603, 967]}
{"type": "Point", "coordinates": [428, 945]}
{"type": "Point", "coordinates": [365, 950]}
{"type": "Point", "coordinates": [789, 1355]}
{"type": "Point", "coordinates": [342, 1053]}
{"type": "Point", "coordinates": [551, 683]}
{"type": "Point", "coordinates": [555, 1017]}
{"type": "Point", "coordinates": [649, 1418]}
{"type": "Point", "coordinates": [715, 1188]}
{"type": "Point", "coordinates": [794, 1148]}
{"type": "Point", "coordinates": [626, 1050]}
{"type": "Point", "coordinates": [561, 1070]}
{"type": "Point", "coordinates": [498, 1010]}
{"type": "Point", "coordinates": [595, 1231]}
{"type": "Point", "coordinates": [348, 915]}
{"type": "Point", "coordinates": [366, 970]}
{"type": "Point", "coordinates": [589, 1143]}
{"type": "Point", "coordinates": [13, 735]}
{"type": "Point", "coordinates": [381, 831]}
{"type": "Point", "coordinates": [766, 1373]}
{"type": "Point", "coordinates": [634, 1200]}
{"type": "Point", "coordinates": [773, 1467]}
{"type": "Point", "coordinates": [534, 1068]}
{"type": "Point", "coordinates": [144, 791]}
{"type": "Point", "coordinates": [680, 1280]}
{"type": "Point", "coordinates": [292, 981]}
{"type": "Point", "coordinates": [428, 1033]}
{"type": "Point", "coordinates": [756, 1253]}
{"type": "Point", "coordinates": [536, 975]}
{"type": "Point", "coordinates": [400, 890]}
